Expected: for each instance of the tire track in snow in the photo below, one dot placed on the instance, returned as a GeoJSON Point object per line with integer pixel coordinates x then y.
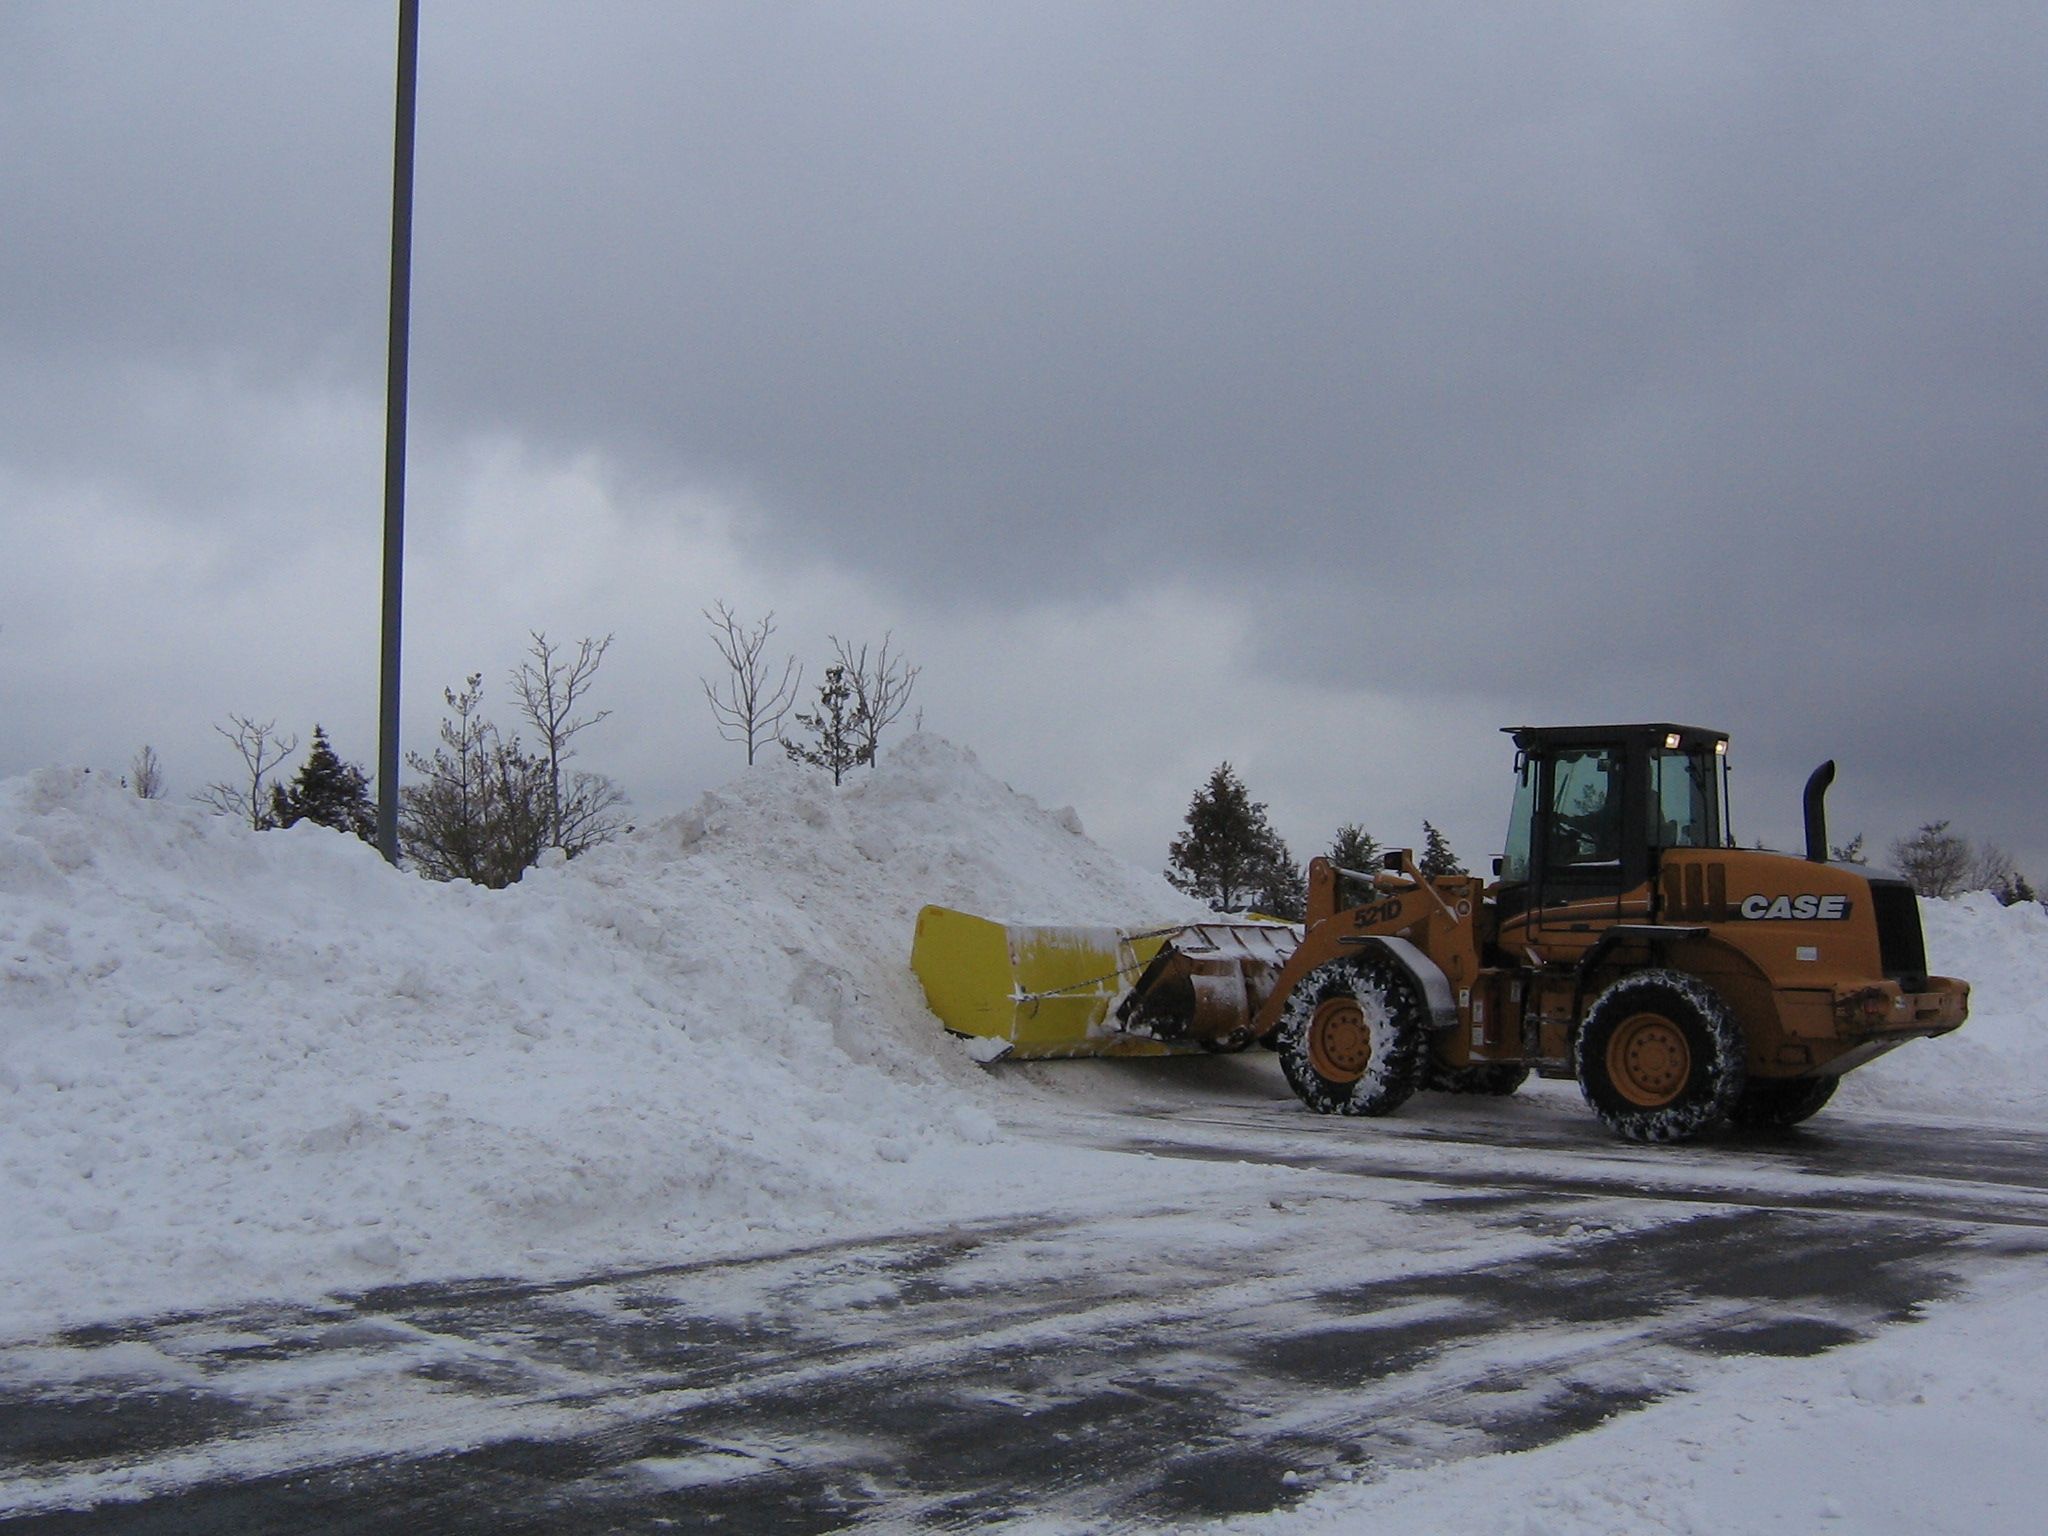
{"type": "Point", "coordinates": [1155, 1363]}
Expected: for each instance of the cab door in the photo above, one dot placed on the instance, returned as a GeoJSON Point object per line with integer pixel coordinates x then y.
{"type": "Point", "coordinates": [1582, 870]}
{"type": "Point", "coordinates": [1579, 855]}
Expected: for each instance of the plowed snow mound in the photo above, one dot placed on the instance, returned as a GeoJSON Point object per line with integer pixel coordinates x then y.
{"type": "Point", "coordinates": [1996, 1065]}
{"type": "Point", "coordinates": [234, 1063]}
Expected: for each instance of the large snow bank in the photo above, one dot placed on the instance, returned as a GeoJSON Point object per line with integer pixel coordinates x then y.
{"type": "Point", "coordinates": [1996, 1066]}
{"type": "Point", "coordinates": [235, 1063]}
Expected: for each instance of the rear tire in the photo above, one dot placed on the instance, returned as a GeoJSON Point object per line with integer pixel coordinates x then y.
{"type": "Point", "coordinates": [1493, 1079]}
{"type": "Point", "coordinates": [1774, 1103]}
{"type": "Point", "coordinates": [1353, 1036]}
{"type": "Point", "coordinates": [1659, 1057]}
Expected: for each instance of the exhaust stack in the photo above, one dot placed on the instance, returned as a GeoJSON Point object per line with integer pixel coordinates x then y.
{"type": "Point", "coordinates": [1817, 812]}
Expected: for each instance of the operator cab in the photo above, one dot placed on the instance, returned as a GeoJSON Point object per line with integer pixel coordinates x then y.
{"type": "Point", "coordinates": [1595, 804]}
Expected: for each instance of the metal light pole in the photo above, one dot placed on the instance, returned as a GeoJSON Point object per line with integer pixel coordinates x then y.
{"type": "Point", "coordinates": [394, 430]}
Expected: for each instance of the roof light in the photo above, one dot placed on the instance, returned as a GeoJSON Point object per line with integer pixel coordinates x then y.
{"type": "Point", "coordinates": [1671, 742]}
{"type": "Point", "coordinates": [1720, 749]}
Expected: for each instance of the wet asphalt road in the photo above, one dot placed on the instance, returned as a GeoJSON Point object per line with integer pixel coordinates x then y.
{"type": "Point", "coordinates": [1510, 1277]}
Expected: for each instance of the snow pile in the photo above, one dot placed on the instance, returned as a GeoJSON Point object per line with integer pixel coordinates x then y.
{"type": "Point", "coordinates": [1996, 1065]}
{"type": "Point", "coordinates": [236, 1063]}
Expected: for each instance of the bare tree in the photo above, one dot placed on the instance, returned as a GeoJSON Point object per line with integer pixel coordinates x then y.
{"type": "Point", "coordinates": [549, 685]}
{"type": "Point", "coordinates": [747, 708]}
{"type": "Point", "coordinates": [146, 774]}
{"type": "Point", "coordinates": [261, 750]}
{"type": "Point", "coordinates": [1991, 869]}
{"type": "Point", "coordinates": [881, 689]}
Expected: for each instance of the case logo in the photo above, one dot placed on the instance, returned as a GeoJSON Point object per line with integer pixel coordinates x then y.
{"type": "Point", "coordinates": [1794, 908]}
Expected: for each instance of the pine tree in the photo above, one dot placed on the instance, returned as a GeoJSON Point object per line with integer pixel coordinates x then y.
{"type": "Point", "coordinates": [1355, 848]}
{"type": "Point", "coordinates": [1230, 856]}
{"type": "Point", "coordinates": [327, 792]}
{"type": "Point", "coordinates": [1437, 858]}
{"type": "Point", "coordinates": [839, 726]}
{"type": "Point", "coordinates": [1850, 852]}
{"type": "Point", "coordinates": [1283, 886]}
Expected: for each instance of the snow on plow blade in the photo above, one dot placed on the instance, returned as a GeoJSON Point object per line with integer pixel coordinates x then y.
{"type": "Point", "coordinates": [1044, 990]}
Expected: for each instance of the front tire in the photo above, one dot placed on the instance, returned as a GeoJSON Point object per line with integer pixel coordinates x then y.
{"type": "Point", "coordinates": [1352, 1037]}
{"type": "Point", "coordinates": [1770, 1104]}
{"type": "Point", "coordinates": [1659, 1057]}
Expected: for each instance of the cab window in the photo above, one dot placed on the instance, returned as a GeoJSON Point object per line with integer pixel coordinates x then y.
{"type": "Point", "coordinates": [1514, 863]}
{"type": "Point", "coordinates": [1684, 805]}
{"type": "Point", "coordinates": [1585, 809]}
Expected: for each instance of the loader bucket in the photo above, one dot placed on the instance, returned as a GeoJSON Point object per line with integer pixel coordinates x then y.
{"type": "Point", "coordinates": [1041, 990]}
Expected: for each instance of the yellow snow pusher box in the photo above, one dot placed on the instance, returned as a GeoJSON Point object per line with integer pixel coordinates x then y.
{"type": "Point", "coordinates": [1045, 990]}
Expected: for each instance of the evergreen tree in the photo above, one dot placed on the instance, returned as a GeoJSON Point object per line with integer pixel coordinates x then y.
{"type": "Point", "coordinates": [1437, 858]}
{"type": "Point", "coordinates": [1355, 848]}
{"type": "Point", "coordinates": [839, 726]}
{"type": "Point", "coordinates": [327, 792]}
{"type": "Point", "coordinates": [1230, 856]}
{"type": "Point", "coordinates": [1283, 886]}
{"type": "Point", "coordinates": [1850, 852]}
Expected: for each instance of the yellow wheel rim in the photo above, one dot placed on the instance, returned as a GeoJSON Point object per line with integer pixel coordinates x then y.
{"type": "Point", "coordinates": [1648, 1060]}
{"type": "Point", "coordinates": [1339, 1041]}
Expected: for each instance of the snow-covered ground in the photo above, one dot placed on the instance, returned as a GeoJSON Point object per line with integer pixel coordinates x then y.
{"type": "Point", "coordinates": [1933, 1428]}
{"type": "Point", "coordinates": [236, 1065]}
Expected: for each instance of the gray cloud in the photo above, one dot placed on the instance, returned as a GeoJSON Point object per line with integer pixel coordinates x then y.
{"type": "Point", "coordinates": [1575, 360]}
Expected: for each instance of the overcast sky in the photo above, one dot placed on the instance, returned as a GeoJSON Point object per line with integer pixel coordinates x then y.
{"type": "Point", "coordinates": [1317, 387]}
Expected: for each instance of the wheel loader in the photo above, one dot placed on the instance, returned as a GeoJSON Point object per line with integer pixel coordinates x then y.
{"type": "Point", "coordinates": [1624, 941]}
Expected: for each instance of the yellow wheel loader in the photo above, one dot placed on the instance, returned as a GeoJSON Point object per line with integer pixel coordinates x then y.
{"type": "Point", "coordinates": [1624, 941]}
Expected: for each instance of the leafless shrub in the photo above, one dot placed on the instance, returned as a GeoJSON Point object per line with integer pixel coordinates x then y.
{"type": "Point", "coordinates": [261, 750]}
{"type": "Point", "coordinates": [484, 809]}
{"type": "Point", "coordinates": [479, 811]}
{"type": "Point", "coordinates": [146, 775]}
{"type": "Point", "coordinates": [881, 687]}
{"type": "Point", "coordinates": [1939, 862]}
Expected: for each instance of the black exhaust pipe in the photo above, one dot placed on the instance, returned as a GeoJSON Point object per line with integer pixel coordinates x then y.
{"type": "Point", "coordinates": [1817, 784]}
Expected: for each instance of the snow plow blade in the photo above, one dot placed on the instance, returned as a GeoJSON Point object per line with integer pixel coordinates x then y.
{"type": "Point", "coordinates": [1047, 990]}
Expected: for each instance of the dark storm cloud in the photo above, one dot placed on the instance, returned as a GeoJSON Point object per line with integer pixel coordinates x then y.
{"type": "Point", "coordinates": [1025, 293]}
{"type": "Point", "coordinates": [1602, 360]}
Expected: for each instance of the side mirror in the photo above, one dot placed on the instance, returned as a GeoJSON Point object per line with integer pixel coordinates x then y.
{"type": "Point", "coordinates": [1391, 862]}
{"type": "Point", "coordinates": [1497, 866]}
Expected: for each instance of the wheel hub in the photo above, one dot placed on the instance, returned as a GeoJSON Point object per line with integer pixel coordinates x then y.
{"type": "Point", "coordinates": [1339, 1040]}
{"type": "Point", "coordinates": [1648, 1060]}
